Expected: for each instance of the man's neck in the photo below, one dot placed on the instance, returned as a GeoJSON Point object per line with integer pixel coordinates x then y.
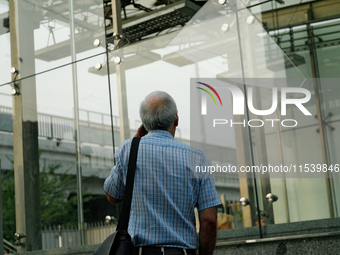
{"type": "Point", "coordinates": [172, 131]}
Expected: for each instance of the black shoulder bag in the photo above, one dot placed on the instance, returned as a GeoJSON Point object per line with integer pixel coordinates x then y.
{"type": "Point", "coordinates": [119, 243]}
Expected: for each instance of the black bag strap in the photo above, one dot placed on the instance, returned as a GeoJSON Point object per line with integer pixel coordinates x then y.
{"type": "Point", "coordinates": [130, 178]}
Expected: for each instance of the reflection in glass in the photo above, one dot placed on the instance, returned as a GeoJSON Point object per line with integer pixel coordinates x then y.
{"type": "Point", "coordinates": [6, 160]}
{"type": "Point", "coordinates": [5, 51]}
{"type": "Point", "coordinates": [220, 43]}
{"type": "Point", "coordinates": [57, 151]}
{"type": "Point", "coordinates": [96, 146]}
{"type": "Point", "coordinates": [47, 22]}
{"type": "Point", "coordinates": [223, 42]}
{"type": "Point", "coordinates": [202, 49]}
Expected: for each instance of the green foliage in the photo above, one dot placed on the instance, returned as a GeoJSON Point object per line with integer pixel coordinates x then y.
{"type": "Point", "coordinates": [58, 204]}
{"type": "Point", "coordinates": [57, 196]}
{"type": "Point", "coordinates": [8, 204]}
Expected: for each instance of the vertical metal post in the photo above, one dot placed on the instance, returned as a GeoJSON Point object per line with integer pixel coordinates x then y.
{"type": "Point", "coordinates": [262, 157]}
{"type": "Point", "coordinates": [318, 102]}
{"type": "Point", "coordinates": [110, 100]}
{"type": "Point", "coordinates": [76, 125]}
{"type": "Point", "coordinates": [51, 122]}
{"type": "Point", "coordinates": [1, 222]}
{"type": "Point", "coordinates": [60, 237]}
{"type": "Point", "coordinates": [25, 128]}
{"type": "Point", "coordinates": [249, 130]}
{"type": "Point", "coordinates": [283, 174]}
{"type": "Point", "coordinates": [120, 72]}
{"type": "Point", "coordinates": [103, 130]}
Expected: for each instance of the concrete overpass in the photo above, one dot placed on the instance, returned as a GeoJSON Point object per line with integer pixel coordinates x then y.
{"type": "Point", "coordinates": [57, 146]}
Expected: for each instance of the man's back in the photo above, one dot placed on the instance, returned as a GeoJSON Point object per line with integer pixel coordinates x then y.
{"type": "Point", "coordinates": [165, 192]}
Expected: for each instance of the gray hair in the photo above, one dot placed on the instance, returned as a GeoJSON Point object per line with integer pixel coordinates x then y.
{"type": "Point", "coordinates": [158, 111]}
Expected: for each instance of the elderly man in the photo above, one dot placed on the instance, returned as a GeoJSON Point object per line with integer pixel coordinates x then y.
{"type": "Point", "coordinates": [162, 217]}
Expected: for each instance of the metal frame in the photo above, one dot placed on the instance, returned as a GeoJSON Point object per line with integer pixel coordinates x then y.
{"type": "Point", "coordinates": [247, 135]}
{"type": "Point", "coordinates": [320, 113]}
{"type": "Point", "coordinates": [76, 125]}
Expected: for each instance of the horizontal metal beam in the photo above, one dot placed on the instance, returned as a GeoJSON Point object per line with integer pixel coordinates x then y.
{"type": "Point", "coordinates": [62, 49]}
{"type": "Point", "coordinates": [297, 14]}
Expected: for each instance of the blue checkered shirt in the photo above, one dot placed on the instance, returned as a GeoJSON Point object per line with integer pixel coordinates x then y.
{"type": "Point", "coordinates": [165, 192]}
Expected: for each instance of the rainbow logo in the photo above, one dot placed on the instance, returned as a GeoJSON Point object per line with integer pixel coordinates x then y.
{"type": "Point", "coordinates": [212, 89]}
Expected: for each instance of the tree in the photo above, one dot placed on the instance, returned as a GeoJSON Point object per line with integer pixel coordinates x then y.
{"type": "Point", "coordinates": [8, 205]}
{"type": "Point", "coordinates": [57, 195]}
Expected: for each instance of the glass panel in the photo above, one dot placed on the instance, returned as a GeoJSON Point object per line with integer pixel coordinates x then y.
{"type": "Point", "coordinates": [239, 41]}
{"type": "Point", "coordinates": [6, 98]}
{"type": "Point", "coordinates": [216, 43]}
{"type": "Point", "coordinates": [96, 147]}
{"type": "Point", "coordinates": [5, 50]}
{"type": "Point", "coordinates": [327, 62]}
{"type": "Point", "coordinates": [326, 34]}
{"type": "Point", "coordinates": [330, 90]}
{"type": "Point", "coordinates": [300, 195]}
{"type": "Point", "coordinates": [55, 104]}
{"type": "Point", "coordinates": [298, 147]}
{"type": "Point", "coordinates": [269, 6]}
{"type": "Point", "coordinates": [305, 65]}
{"type": "Point", "coordinates": [304, 188]}
{"type": "Point", "coordinates": [221, 141]}
{"type": "Point", "coordinates": [58, 189]}
{"type": "Point", "coordinates": [47, 35]}
{"type": "Point", "coordinates": [52, 106]}
{"type": "Point", "coordinates": [6, 157]}
{"type": "Point", "coordinates": [333, 136]}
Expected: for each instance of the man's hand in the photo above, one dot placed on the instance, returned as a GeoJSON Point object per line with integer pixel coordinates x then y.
{"type": "Point", "coordinates": [141, 131]}
{"type": "Point", "coordinates": [207, 235]}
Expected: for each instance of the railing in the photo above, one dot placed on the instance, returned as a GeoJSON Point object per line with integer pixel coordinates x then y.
{"type": "Point", "coordinates": [8, 247]}
{"type": "Point", "coordinates": [5, 110]}
{"type": "Point", "coordinates": [55, 127]}
{"type": "Point", "coordinates": [65, 236]}
{"type": "Point", "coordinates": [61, 128]}
{"type": "Point", "coordinates": [95, 127]}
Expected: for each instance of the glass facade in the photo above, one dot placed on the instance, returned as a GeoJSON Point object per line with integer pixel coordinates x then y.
{"type": "Point", "coordinates": [75, 96]}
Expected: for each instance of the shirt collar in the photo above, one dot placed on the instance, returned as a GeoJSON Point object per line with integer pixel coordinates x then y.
{"type": "Point", "coordinates": [160, 133]}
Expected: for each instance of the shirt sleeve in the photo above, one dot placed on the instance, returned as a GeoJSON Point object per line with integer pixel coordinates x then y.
{"type": "Point", "coordinates": [208, 196]}
{"type": "Point", "coordinates": [114, 184]}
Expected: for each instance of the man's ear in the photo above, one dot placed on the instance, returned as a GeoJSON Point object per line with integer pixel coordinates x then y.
{"type": "Point", "coordinates": [176, 120]}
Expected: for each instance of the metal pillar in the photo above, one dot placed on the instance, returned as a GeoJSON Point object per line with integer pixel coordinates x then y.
{"type": "Point", "coordinates": [320, 114]}
{"type": "Point", "coordinates": [258, 143]}
{"type": "Point", "coordinates": [247, 139]}
{"type": "Point", "coordinates": [120, 72]}
{"type": "Point", "coordinates": [244, 149]}
{"type": "Point", "coordinates": [261, 157]}
{"type": "Point", "coordinates": [25, 128]}
{"type": "Point", "coordinates": [76, 126]}
{"type": "Point", "coordinates": [284, 184]}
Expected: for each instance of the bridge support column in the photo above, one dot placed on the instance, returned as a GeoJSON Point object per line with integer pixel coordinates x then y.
{"type": "Point", "coordinates": [23, 21]}
{"type": "Point", "coordinates": [120, 72]}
